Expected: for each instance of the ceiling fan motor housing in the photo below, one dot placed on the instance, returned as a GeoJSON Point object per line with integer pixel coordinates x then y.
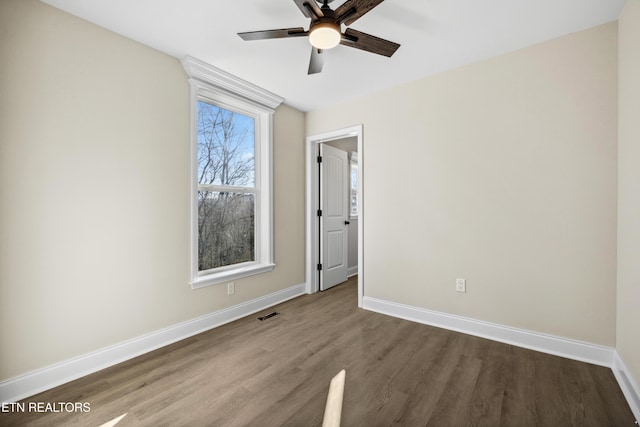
{"type": "Point", "coordinates": [325, 31]}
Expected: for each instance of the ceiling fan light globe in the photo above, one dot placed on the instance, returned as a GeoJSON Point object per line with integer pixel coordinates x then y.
{"type": "Point", "coordinates": [324, 36]}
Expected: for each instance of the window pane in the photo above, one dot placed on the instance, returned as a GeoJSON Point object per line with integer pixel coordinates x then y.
{"type": "Point", "coordinates": [226, 147]}
{"type": "Point", "coordinates": [354, 177]}
{"type": "Point", "coordinates": [225, 229]}
{"type": "Point", "coordinates": [354, 189]}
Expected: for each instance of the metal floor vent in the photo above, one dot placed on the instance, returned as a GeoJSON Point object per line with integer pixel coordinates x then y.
{"type": "Point", "coordinates": [265, 317]}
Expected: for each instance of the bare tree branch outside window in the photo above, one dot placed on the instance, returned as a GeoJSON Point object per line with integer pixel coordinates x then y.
{"type": "Point", "coordinates": [226, 217]}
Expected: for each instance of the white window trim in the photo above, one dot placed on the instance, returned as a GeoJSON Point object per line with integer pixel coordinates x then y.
{"type": "Point", "coordinates": [213, 85]}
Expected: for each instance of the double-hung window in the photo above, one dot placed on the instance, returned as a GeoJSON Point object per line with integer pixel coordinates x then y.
{"type": "Point", "coordinates": [353, 187]}
{"type": "Point", "coordinates": [231, 184]}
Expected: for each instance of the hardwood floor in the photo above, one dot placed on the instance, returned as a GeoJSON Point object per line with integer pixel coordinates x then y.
{"type": "Point", "coordinates": [276, 372]}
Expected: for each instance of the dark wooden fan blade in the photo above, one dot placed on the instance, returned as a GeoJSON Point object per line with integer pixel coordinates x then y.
{"type": "Point", "coordinates": [309, 8]}
{"type": "Point", "coordinates": [373, 44]}
{"type": "Point", "coordinates": [316, 62]}
{"type": "Point", "coordinates": [273, 34]}
{"type": "Point", "coordinates": [351, 10]}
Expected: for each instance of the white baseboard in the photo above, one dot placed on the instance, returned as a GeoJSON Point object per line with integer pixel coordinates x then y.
{"type": "Point", "coordinates": [352, 271]}
{"type": "Point", "coordinates": [577, 350]}
{"type": "Point", "coordinates": [628, 384]}
{"type": "Point", "coordinates": [44, 379]}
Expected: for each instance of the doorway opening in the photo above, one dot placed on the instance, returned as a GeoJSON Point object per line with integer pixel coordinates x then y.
{"type": "Point", "coordinates": [316, 241]}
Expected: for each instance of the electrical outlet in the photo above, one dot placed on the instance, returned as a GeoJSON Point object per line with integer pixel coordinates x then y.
{"type": "Point", "coordinates": [231, 288]}
{"type": "Point", "coordinates": [461, 285]}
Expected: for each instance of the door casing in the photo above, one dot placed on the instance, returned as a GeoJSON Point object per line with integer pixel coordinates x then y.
{"type": "Point", "coordinates": [312, 206]}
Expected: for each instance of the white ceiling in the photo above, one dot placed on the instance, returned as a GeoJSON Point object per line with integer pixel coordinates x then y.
{"type": "Point", "coordinates": [436, 35]}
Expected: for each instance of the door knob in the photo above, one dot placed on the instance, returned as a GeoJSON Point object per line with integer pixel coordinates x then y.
{"type": "Point", "coordinates": [347, 223]}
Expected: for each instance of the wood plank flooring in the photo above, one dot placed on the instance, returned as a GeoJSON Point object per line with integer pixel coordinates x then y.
{"type": "Point", "coordinates": [276, 372]}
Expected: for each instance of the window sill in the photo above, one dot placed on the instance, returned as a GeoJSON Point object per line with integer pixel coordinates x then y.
{"type": "Point", "coordinates": [230, 275]}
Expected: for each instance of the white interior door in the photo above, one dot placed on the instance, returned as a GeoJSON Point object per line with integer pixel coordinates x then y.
{"type": "Point", "coordinates": [334, 170]}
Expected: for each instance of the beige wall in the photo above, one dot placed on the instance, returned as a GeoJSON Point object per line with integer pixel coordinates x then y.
{"type": "Point", "coordinates": [504, 173]}
{"type": "Point", "coordinates": [94, 192]}
{"type": "Point", "coordinates": [628, 327]}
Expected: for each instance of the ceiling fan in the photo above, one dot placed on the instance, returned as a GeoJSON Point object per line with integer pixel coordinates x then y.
{"type": "Point", "coordinates": [325, 30]}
